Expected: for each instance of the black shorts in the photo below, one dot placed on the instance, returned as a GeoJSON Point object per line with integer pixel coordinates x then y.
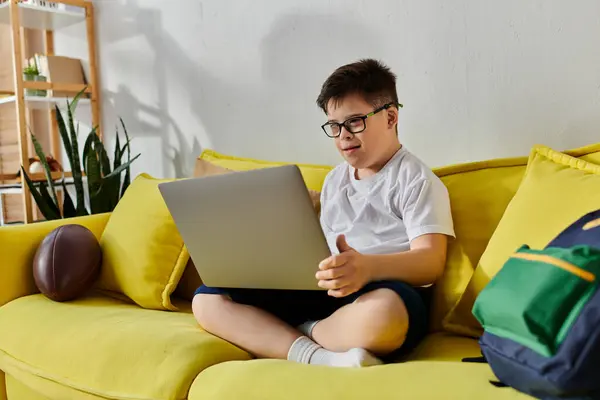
{"type": "Point", "coordinates": [298, 306]}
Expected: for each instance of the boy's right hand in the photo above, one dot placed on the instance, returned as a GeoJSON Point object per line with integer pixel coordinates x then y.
{"type": "Point", "coordinates": [345, 273]}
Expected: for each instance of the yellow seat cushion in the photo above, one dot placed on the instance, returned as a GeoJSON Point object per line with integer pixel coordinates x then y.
{"type": "Point", "coordinates": [443, 346]}
{"type": "Point", "coordinates": [100, 346]}
{"type": "Point", "coordinates": [313, 175]}
{"type": "Point", "coordinates": [433, 371]}
{"type": "Point", "coordinates": [143, 254]}
{"type": "Point", "coordinates": [556, 190]}
{"type": "Point", "coordinates": [271, 379]}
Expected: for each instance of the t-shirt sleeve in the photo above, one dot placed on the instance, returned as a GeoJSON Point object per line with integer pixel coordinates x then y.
{"type": "Point", "coordinates": [425, 208]}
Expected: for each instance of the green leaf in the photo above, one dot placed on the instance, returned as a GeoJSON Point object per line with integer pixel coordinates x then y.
{"type": "Point", "coordinates": [94, 180]}
{"type": "Point", "coordinates": [75, 101]}
{"type": "Point", "coordinates": [48, 199]}
{"type": "Point", "coordinates": [125, 146]}
{"type": "Point", "coordinates": [76, 165]}
{"type": "Point", "coordinates": [121, 168]}
{"type": "Point", "coordinates": [127, 179]}
{"type": "Point", "coordinates": [68, 206]}
{"type": "Point", "coordinates": [117, 156]}
{"type": "Point", "coordinates": [102, 156]}
{"type": "Point", "coordinates": [115, 182]}
{"type": "Point", "coordinates": [42, 157]}
{"type": "Point", "coordinates": [87, 147]}
{"type": "Point", "coordinates": [100, 200]}
{"type": "Point", "coordinates": [108, 194]}
{"type": "Point", "coordinates": [64, 134]}
{"type": "Point", "coordinates": [124, 128]}
{"type": "Point", "coordinates": [44, 207]}
{"type": "Point", "coordinates": [111, 189]}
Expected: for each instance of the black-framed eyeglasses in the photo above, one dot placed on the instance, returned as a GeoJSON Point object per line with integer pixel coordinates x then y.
{"type": "Point", "coordinates": [354, 124]}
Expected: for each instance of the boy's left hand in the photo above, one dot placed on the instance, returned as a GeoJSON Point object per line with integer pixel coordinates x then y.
{"type": "Point", "coordinates": [344, 273]}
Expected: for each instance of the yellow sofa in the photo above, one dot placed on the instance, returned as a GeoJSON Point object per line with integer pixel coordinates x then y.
{"type": "Point", "coordinates": [107, 347]}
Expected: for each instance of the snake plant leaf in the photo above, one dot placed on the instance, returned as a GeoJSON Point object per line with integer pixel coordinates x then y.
{"type": "Point", "coordinates": [87, 147]}
{"type": "Point", "coordinates": [117, 155]}
{"type": "Point", "coordinates": [51, 210]}
{"type": "Point", "coordinates": [94, 179]}
{"type": "Point", "coordinates": [122, 167]}
{"type": "Point", "coordinates": [75, 100]}
{"type": "Point", "coordinates": [64, 134]}
{"type": "Point", "coordinates": [127, 178]}
{"type": "Point", "coordinates": [115, 182]}
{"type": "Point", "coordinates": [102, 156]}
{"type": "Point", "coordinates": [125, 147]}
{"type": "Point", "coordinates": [48, 172]}
{"type": "Point", "coordinates": [45, 208]}
{"type": "Point", "coordinates": [76, 165]}
{"type": "Point", "coordinates": [110, 187]}
{"type": "Point", "coordinates": [68, 206]}
{"type": "Point", "coordinates": [48, 200]}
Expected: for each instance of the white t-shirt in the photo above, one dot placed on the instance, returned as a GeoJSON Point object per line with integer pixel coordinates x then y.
{"type": "Point", "coordinates": [382, 213]}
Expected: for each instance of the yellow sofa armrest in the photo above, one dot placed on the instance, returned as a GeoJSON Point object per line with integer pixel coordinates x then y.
{"type": "Point", "coordinates": [18, 245]}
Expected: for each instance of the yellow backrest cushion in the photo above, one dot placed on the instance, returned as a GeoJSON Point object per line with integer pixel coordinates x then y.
{"type": "Point", "coordinates": [144, 255]}
{"type": "Point", "coordinates": [314, 175]}
{"type": "Point", "coordinates": [556, 190]}
{"type": "Point", "coordinates": [479, 193]}
{"type": "Point", "coordinates": [18, 244]}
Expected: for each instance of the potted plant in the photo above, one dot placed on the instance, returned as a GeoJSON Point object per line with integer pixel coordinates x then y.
{"type": "Point", "coordinates": [105, 181]}
{"type": "Point", "coordinates": [31, 73]}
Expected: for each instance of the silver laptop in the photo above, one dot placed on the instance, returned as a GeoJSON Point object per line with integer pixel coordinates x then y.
{"type": "Point", "coordinates": [252, 229]}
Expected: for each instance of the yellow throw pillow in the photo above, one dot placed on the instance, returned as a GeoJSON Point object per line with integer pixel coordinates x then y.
{"type": "Point", "coordinates": [471, 186]}
{"type": "Point", "coordinates": [143, 254]}
{"type": "Point", "coordinates": [556, 190]}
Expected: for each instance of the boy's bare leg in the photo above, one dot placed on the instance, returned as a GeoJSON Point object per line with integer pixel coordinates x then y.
{"type": "Point", "coordinates": [249, 328]}
{"type": "Point", "coordinates": [265, 336]}
{"type": "Point", "coordinates": [377, 321]}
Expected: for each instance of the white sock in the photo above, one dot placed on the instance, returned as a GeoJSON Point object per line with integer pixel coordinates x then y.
{"type": "Point", "coordinates": [305, 351]}
{"type": "Point", "coordinates": [307, 328]}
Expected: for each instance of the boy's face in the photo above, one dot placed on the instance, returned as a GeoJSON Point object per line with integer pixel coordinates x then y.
{"type": "Point", "coordinates": [371, 148]}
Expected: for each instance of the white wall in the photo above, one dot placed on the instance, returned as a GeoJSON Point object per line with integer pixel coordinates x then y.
{"type": "Point", "coordinates": [479, 79]}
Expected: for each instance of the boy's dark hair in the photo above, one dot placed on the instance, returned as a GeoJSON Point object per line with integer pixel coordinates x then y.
{"type": "Point", "coordinates": [369, 78]}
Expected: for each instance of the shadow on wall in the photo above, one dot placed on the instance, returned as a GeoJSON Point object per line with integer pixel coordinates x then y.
{"type": "Point", "coordinates": [143, 120]}
{"type": "Point", "coordinates": [296, 56]}
{"type": "Point", "coordinates": [149, 121]}
{"type": "Point", "coordinates": [280, 108]}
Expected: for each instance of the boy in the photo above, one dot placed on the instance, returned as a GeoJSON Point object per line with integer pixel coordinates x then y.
{"type": "Point", "coordinates": [386, 217]}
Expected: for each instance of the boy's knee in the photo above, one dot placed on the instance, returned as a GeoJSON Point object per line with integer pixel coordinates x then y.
{"type": "Point", "coordinates": [387, 321]}
{"type": "Point", "coordinates": [207, 307]}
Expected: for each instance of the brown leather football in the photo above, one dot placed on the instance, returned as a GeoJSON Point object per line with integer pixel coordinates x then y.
{"type": "Point", "coordinates": [67, 262]}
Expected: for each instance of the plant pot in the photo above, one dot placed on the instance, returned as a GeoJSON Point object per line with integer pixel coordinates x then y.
{"type": "Point", "coordinates": [35, 78]}
{"type": "Point", "coordinates": [42, 93]}
{"type": "Point", "coordinates": [29, 78]}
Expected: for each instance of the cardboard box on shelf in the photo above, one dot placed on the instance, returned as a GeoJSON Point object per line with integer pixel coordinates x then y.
{"type": "Point", "coordinates": [60, 69]}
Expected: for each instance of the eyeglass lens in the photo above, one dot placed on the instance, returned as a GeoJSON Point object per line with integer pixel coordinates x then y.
{"type": "Point", "coordinates": [352, 125]}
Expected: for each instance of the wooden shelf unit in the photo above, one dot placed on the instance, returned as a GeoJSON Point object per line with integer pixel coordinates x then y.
{"type": "Point", "coordinates": [35, 17]}
{"type": "Point", "coordinates": [12, 179]}
{"type": "Point", "coordinates": [22, 18]}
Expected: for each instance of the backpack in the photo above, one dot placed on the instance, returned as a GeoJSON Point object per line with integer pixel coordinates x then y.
{"type": "Point", "coordinates": [541, 316]}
